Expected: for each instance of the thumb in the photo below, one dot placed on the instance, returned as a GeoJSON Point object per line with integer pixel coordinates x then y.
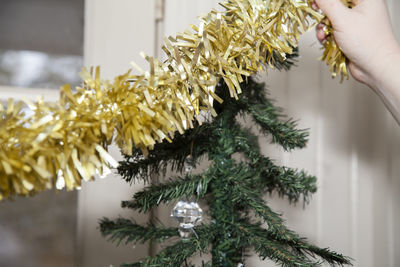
{"type": "Point", "coordinates": [333, 9]}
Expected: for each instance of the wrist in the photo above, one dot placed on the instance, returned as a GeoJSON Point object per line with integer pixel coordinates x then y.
{"type": "Point", "coordinates": [385, 72]}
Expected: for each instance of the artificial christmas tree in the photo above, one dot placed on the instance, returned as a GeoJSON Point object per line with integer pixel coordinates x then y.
{"type": "Point", "coordinates": [240, 220]}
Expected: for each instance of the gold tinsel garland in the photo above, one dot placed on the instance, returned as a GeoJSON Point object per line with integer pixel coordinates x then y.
{"type": "Point", "coordinates": [65, 142]}
{"type": "Point", "coordinates": [332, 55]}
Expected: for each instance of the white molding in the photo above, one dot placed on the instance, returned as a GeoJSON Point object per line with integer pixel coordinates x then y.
{"type": "Point", "coordinates": [18, 93]}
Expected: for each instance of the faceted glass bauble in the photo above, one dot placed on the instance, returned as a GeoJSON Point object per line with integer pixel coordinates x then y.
{"type": "Point", "coordinates": [187, 214]}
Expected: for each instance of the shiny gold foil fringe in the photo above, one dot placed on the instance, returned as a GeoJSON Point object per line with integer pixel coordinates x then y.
{"type": "Point", "coordinates": [332, 54]}
{"type": "Point", "coordinates": [65, 142]}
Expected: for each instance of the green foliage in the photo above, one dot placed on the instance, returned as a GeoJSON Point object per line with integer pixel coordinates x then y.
{"type": "Point", "coordinates": [241, 219]}
{"type": "Point", "coordinates": [154, 194]}
{"type": "Point", "coordinates": [123, 229]}
{"type": "Point", "coordinates": [187, 248]}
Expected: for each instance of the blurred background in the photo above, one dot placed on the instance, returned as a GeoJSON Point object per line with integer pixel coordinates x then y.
{"type": "Point", "coordinates": [354, 146]}
{"type": "Point", "coordinates": [41, 48]}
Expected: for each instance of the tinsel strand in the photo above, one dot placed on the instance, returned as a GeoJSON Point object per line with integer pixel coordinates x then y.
{"type": "Point", "coordinates": [63, 143]}
{"type": "Point", "coordinates": [332, 55]}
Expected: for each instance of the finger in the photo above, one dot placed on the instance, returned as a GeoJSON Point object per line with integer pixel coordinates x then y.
{"type": "Point", "coordinates": [320, 26]}
{"type": "Point", "coordinates": [334, 9]}
{"type": "Point", "coordinates": [321, 35]}
{"type": "Point", "coordinates": [314, 6]}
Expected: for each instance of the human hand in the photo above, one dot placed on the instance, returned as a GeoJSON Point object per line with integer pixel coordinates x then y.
{"type": "Point", "coordinates": [364, 34]}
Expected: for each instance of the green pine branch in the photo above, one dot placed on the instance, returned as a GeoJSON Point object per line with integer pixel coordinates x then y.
{"type": "Point", "coordinates": [242, 195]}
{"type": "Point", "coordinates": [176, 254]}
{"type": "Point", "coordinates": [286, 181]}
{"type": "Point", "coordinates": [166, 154]}
{"type": "Point", "coordinates": [127, 231]}
{"type": "Point", "coordinates": [169, 257]}
{"type": "Point", "coordinates": [269, 248]}
{"type": "Point", "coordinates": [291, 253]}
{"type": "Point", "coordinates": [155, 194]}
{"type": "Point", "coordinates": [297, 245]}
{"type": "Point", "coordinates": [283, 132]}
{"type": "Point", "coordinates": [287, 62]}
{"type": "Point", "coordinates": [267, 116]}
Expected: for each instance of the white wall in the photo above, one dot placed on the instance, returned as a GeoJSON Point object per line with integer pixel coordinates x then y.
{"type": "Point", "coordinates": [353, 149]}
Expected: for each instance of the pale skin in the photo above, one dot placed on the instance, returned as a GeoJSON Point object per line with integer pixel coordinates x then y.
{"type": "Point", "coordinates": [365, 36]}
